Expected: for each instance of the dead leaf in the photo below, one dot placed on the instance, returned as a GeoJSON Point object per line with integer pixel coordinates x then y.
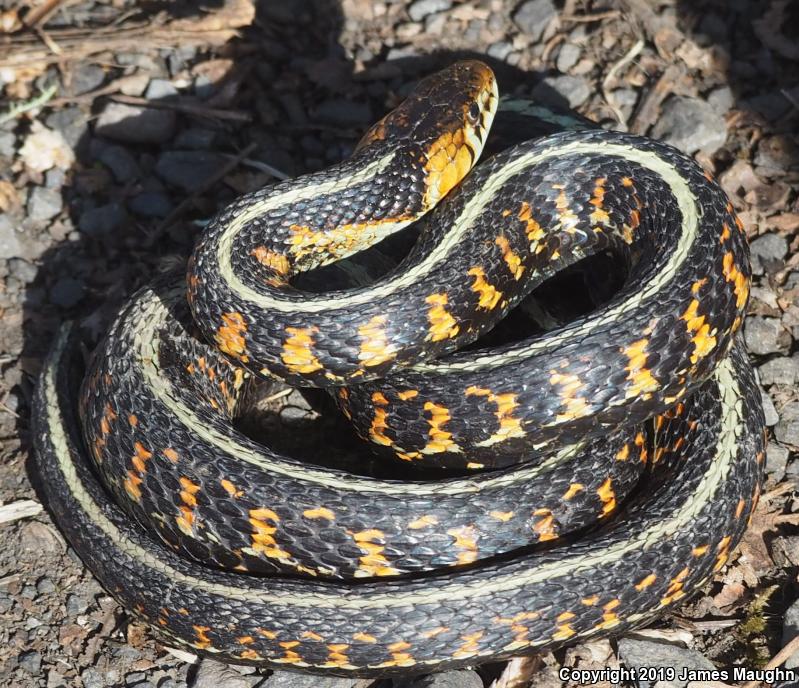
{"type": "Point", "coordinates": [9, 197]}
{"type": "Point", "coordinates": [44, 149]}
{"type": "Point", "coordinates": [234, 14]}
{"type": "Point", "coordinates": [518, 672]}
{"type": "Point", "coordinates": [767, 518]}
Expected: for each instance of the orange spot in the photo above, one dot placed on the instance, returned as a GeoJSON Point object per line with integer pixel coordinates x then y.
{"type": "Point", "coordinates": [272, 260]}
{"type": "Point", "coordinates": [544, 527]}
{"type": "Point", "coordinates": [319, 512]}
{"type": "Point", "coordinates": [373, 562]}
{"type": "Point", "coordinates": [230, 488]}
{"type": "Point", "coordinates": [608, 497]}
{"type": "Point", "coordinates": [533, 230]}
{"type": "Point", "coordinates": [503, 516]}
{"type": "Point", "coordinates": [230, 336]}
{"type": "Point", "coordinates": [439, 439]}
{"type": "Point", "coordinates": [738, 279]}
{"type": "Point", "coordinates": [264, 523]}
{"type": "Point", "coordinates": [171, 454]}
{"type": "Point", "coordinates": [599, 215]}
{"type": "Point", "coordinates": [203, 641]}
{"type": "Point", "coordinates": [489, 296]}
{"type": "Point", "coordinates": [442, 324]}
{"type": "Point", "coordinates": [704, 342]}
{"type": "Point", "coordinates": [466, 540]}
{"type": "Point", "coordinates": [408, 394]}
{"type": "Point", "coordinates": [574, 489]}
{"type": "Point", "coordinates": [297, 354]}
{"type": "Point", "coordinates": [379, 424]}
{"type": "Point", "coordinates": [509, 426]}
{"type": "Point", "coordinates": [573, 406]}
{"type": "Point", "coordinates": [364, 637]}
{"type": "Point", "coordinates": [511, 258]}
{"type": "Point", "coordinates": [470, 645]}
{"type": "Point", "coordinates": [375, 347]}
{"type": "Point", "coordinates": [643, 382]}
{"type": "Point", "coordinates": [644, 583]}
{"type": "Point", "coordinates": [423, 522]}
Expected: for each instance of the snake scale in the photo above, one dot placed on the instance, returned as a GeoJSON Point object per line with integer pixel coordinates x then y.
{"type": "Point", "coordinates": [596, 471]}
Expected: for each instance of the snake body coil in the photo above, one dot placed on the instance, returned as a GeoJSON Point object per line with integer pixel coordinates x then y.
{"type": "Point", "coordinates": [642, 415]}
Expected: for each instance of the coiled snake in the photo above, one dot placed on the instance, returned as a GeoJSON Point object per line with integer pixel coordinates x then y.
{"type": "Point", "coordinates": [642, 415]}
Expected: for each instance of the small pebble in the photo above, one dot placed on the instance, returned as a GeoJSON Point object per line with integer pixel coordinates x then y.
{"type": "Point", "coordinates": [188, 170]}
{"type": "Point", "coordinates": [30, 662]}
{"type": "Point", "coordinates": [133, 124]}
{"type": "Point", "coordinates": [767, 250]}
{"type": "Point", "coordinates": [419, 9]}
{"type": "Point", "coordinates": [691, 125]}
{"type": "Point", "coordinates": [102, 220]}
{"type": "Point", "coordinates": [160, 88]}
{"type": "Point", "coordinates": [781, 370]}
{"type": "Point", "coordinates": [66, 292]}
{"type": "Point", "coordinates": [765, 336]}
{"type": "Point", "coordinates": [76, 605]}
{"type": "Point", "coordinates": [787, 430]}
{"type": "Point", "coordinates": [44, 204]}
{"type": "Point", "coordinates": [211, 674]}
{"type": "Point", "coordinates": [122, 164]}
{"type": "Point", "coordinates": [567, 57]}
{"type": "Point", "coordinates": [92, 678]}
{"type": "Point", "coordinates": [769, 412]}
{"type": "Point", "coordinates": [645, 653]}
{"type": "Point", "coordinates": [287, 679]}
{"type": "Point", "coordinates": [151, 204]}
{"type": "Point", "coordinates": [446, 679]}
{"type": "Point", "coordinates": [574, 89]}
{"type": "Point", "coordinates": [533, 17]}
{"type": "Point", "coordinates": [45, 586]}
{"type": "Point", "coordinates": [776, 461]}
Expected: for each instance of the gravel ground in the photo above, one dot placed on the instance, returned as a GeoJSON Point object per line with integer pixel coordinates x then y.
{"type": "Point", "coordinates": [99, 191]}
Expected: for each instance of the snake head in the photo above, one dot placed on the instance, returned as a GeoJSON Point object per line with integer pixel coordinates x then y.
{"type": "Point", "coordinates": [443, 123]}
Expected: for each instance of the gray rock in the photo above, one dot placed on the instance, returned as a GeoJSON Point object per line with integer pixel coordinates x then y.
{"type": "Point", "coordinates": [160, 88]}
{"type": "Point", "coordinates": [103, 219]}
{"type": "Point", "coordinates": [85, 77]}
{"type": "Point", "coordinates": [533, 17]}
{"type": "Point", "coordinates": [188, 170]}
{"type": "Point", "coordinates": [344, 112]}
{"type": "Point", "coordinates": [29, 592]}
{"type": "Point", "coordinates": [212, 674]}
{"type": "Point", "coordinates": [779, 371]}
{"type": "Point", "coordinates": [7, 144]}
{"type": "Point", "coordinates": [121, 163]}
{"type": "Point", "coordinates": [133, 124]}
{"type": "Point", "coordinates": [575, 89]}
{"type": "Point", "coordinates": [721, 99]}
{"type": "Point", "coordinates": [45, 586]}
{"type": "Point", "coordinates": [71, 122]}
{"type": "Point", "coordinates": [10, 239]}
{"type": "Point", "coordinates": [151, 204]}
{"type": "Point", "coordinates": [92, 678]}
{"type": "Point", "coordinates": [76, 604]}
{"type": "Point", "coordinates": [790, 629]}
{"type": "Point", "coordinates": [55, 178]}
{"type": "Point", "coordinates": [500, 50]}
{"type": "Point", "coordinates": [765, 336]}
{"type": "Point", "coordinates": [447, 679]}
{"type": "Point", "coordinates": [24, 271]}
{"type": "Point", "coordinates": [567, 57]}
{"type": "Point", "coordinates": [776, 460]}
{"type": "Point", "coordinates": [287, 679]}
{"type": "Point", "coordinates": [135, 677]}
{"type": "Point", "coordinates": [56, 679]}
{"type": "Point", "coordinates": [30, 662]}
{"type": "Point", "coordinates": [195, 138]}
{"type": "Point", "coordinates": [767, 249]}
{"type": "Point", "coordinates": [691, 125]}
{"type": "Point", "coordinates": [419, 9]}
{"type": "Point", "coordinates": [775, 154]}
{"type": "Point", "coordinates": [787, 430]}
{"type": "Point", "coordinates": [769, 411]}
{"type": "Point", "coordinates": [66, 292]}
{"type": "Point", "coordinates": [44, 204]}
{"type": "Point", "coordinates": [644, 653]}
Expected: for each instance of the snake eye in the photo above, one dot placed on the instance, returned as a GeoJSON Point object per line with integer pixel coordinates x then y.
{"type": "Point", "coordinates": [473, 113]}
